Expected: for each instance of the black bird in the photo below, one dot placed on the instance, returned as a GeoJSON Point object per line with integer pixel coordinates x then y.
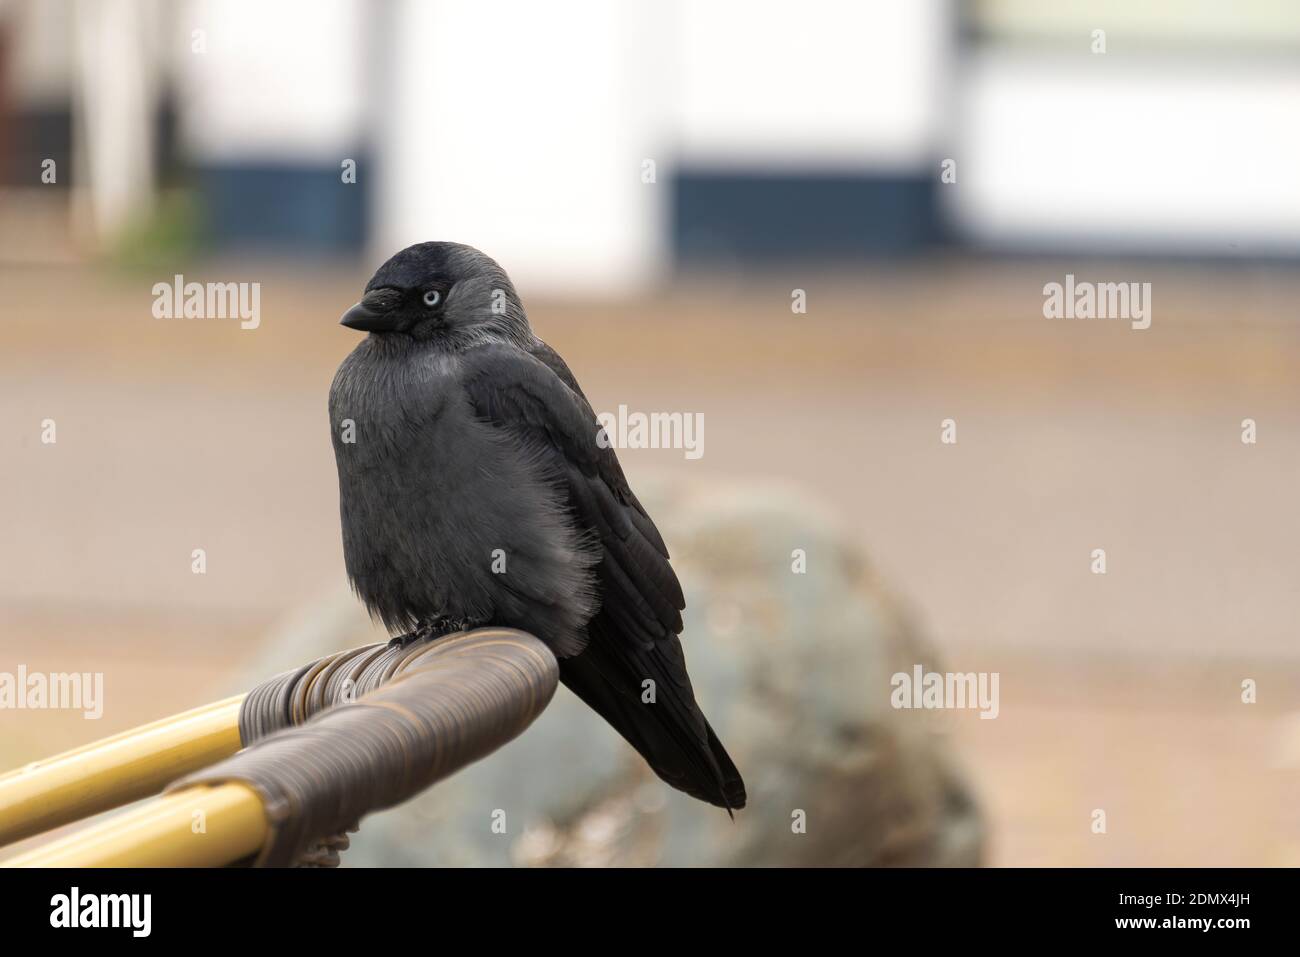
{"type": "Point", "coordinates": [476, 488]}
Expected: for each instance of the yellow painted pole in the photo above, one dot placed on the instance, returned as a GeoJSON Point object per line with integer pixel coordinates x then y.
{"type": "Point", "coordinates": [202, 826]}
{"type": "Point", "coordinates": [115, 771]}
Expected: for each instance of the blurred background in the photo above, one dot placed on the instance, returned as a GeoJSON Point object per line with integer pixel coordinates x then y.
{"type": "Point", "coordinates": [659, 179]}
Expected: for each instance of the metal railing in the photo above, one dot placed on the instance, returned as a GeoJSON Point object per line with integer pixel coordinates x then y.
{"type": "Point", "coordinates": [260, 778]}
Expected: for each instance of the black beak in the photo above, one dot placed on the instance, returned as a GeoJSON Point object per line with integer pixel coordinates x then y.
{"type": "Point", "coordinates": [374, 313]}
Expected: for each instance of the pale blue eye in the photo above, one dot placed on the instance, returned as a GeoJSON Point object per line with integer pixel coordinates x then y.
{"type": "Point", "coordinates": [432, 298]}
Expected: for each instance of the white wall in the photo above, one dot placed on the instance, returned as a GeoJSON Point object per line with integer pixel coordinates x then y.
{"type": "Point", "coordinates": [525, 141]}
{"type": "Point", "coordinates": [817, 83]}
{"type": "Point", "coordinates": [1192, 155]}
{"type": "Point", "coordinates": [277, 81]}
{"type": "Point", "coordinates": [522, 127]}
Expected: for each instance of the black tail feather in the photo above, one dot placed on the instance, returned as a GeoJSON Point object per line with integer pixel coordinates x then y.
{"type": "Point", "coordinates": [671, 733]}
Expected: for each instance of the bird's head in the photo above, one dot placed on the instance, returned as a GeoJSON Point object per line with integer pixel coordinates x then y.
{"type": "Point", "coordinates": [446, 292]}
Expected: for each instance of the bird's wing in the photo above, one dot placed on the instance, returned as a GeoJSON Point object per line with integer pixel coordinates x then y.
{"type": "Point", "coordinates": [633, 637]}
{"type": "Point", "coordinates": [518, 392]}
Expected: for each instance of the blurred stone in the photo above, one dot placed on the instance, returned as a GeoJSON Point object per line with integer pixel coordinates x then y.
{"type": "Point", "coordinates": [793, 671]}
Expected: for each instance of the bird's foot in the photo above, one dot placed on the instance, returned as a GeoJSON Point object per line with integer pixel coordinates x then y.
{"type": "Point", "coordinates": [431, 628]}
{"type": "Point", "coordinates": [401, 641]}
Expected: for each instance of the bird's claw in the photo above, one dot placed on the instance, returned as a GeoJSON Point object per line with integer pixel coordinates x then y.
{"type": "Point", "coordinates": [401, 641]}
{"type": "Point", "coordinates": [433, 628]}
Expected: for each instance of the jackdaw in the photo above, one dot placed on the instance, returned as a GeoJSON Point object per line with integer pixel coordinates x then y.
{"type": "Point", "coordinates": [476, 488]}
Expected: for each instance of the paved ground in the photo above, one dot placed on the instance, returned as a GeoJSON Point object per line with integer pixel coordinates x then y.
{"type": "Point", "coordinates": [1119, 692]}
